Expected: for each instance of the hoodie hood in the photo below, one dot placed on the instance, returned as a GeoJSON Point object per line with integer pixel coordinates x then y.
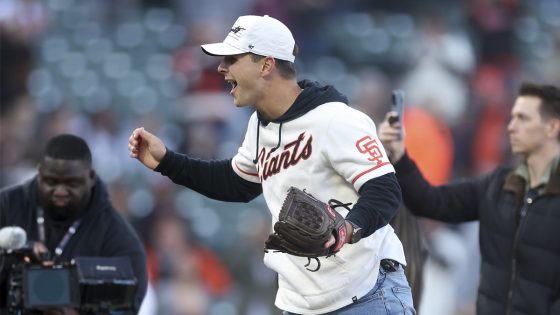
{"type": "Point", "coordinates": [313, 95]}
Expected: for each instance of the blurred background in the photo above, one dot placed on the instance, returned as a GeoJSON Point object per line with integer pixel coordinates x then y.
{"type": "Point", "coordinates": [100, 68]}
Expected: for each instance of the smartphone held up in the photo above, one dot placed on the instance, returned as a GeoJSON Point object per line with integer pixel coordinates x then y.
{"type": "Point", "coordinates": [397, 106]}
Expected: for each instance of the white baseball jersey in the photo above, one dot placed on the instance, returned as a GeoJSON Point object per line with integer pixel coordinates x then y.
{"type": "Point", "coordinates": [330, 151]}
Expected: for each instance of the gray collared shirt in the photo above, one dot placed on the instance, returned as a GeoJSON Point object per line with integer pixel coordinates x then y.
{"type": "Point", "coordinates": [523, 171]}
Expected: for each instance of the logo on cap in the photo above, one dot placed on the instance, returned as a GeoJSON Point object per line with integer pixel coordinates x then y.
{"type": "Point", "coordinates": [236, 29]}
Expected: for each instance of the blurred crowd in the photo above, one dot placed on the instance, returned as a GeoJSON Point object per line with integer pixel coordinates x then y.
{"type": "Point", "coordinates": [100, 68]}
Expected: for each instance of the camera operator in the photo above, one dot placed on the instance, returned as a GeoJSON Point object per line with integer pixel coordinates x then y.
{"type": "Point", "coordinates": [66, 212]}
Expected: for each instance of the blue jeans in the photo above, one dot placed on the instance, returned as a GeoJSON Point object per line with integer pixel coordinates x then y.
{"type": "Point", "coordinates": [391, 295]}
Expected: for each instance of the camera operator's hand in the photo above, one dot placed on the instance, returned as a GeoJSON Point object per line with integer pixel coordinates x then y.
{"type": "Point", "coordinates": [40, 251]}
{"type": "Point", "coordinates": [61, 311]}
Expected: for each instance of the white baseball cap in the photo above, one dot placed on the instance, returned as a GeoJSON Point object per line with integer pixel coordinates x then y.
{"type": "Point", "coordinates": [261, 35]}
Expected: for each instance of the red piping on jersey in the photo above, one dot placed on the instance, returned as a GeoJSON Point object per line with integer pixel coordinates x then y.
{"type": "Point", "coordinates": [246, 173]}
{"type": "Point", "coordinates": [367, 171]}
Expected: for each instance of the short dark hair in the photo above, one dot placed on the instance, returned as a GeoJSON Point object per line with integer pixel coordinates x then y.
{"type": "Point", "coordinates": [285, 68]}
{"type": "Point", "coordinates": [68, 147]}
{"type": "Point", "coordinates": [549, 95]}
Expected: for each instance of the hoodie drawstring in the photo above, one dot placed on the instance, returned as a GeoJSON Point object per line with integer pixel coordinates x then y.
{"type": "Point", "coordinates": [256, 159]}
{"type": "Point", "coordinates": [279, 138]}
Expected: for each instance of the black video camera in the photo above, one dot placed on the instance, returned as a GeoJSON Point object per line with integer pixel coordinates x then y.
{"type": "Point", "coordinates": [96, 284]}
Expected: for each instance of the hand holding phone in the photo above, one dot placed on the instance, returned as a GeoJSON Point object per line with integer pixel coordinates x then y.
{"type": "Point", "coordinates": [397, 105]}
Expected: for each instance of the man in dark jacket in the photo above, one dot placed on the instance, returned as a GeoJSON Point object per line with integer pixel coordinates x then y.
{"type": "Point", "coordinates": [66, 212]}
{"type": "Point", "coordinates": [518, 208]}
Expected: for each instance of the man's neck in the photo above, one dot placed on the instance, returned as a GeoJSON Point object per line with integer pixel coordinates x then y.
{"type": "Point", "coordinates": [278, 99]}
{"type": "Point", "coordinates": [538, 164]}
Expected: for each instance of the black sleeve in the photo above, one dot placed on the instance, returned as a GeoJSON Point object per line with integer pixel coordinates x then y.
{"type": "Point", "coordinates": [378, 202]}
{"type": "Point", "coordinates": [215, 179]}
{"type": "Point", "coordinates": [453, 203]}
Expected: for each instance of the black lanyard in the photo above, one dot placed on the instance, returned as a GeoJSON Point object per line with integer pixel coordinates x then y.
{"type": "Point", "coordinates": [64, 241]}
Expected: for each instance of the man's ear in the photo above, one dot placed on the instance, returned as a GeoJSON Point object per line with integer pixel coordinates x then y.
{"type": "Point", "coordinates": [554, 128]}
{"type": "Point", "coordinates": [92, 174]}
{"type": "Point", "coordinates": [268, 65]}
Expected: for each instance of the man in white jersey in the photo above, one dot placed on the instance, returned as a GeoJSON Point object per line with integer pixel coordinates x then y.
{"type": "Point", "coordinates": [305, 135]}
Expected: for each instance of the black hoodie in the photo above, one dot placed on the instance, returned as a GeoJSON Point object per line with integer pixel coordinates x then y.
{"type": "Point", "coordinates": [216, 179]}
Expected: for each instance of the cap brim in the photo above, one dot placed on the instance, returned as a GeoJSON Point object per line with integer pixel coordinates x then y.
{"type": "Point", "coordinates": [221, 49]}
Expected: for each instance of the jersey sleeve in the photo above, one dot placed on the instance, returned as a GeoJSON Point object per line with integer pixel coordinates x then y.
{"type": "Point", "coordinates": [242, 162]}
{"type": "Point", "coordinates": [353, 148]}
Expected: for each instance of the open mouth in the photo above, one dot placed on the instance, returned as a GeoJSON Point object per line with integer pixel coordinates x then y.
{"type": "Point", "coordinates": [233, 84]}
